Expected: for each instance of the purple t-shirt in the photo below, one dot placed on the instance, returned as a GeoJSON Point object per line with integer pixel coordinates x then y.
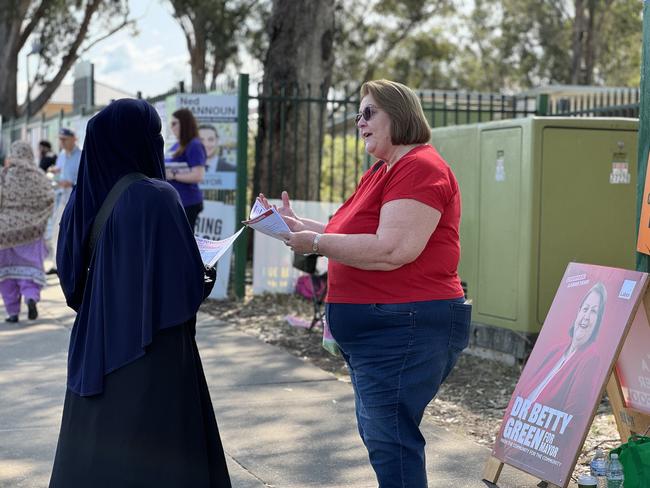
{"type": "Point", "coordinates": [194, 155]}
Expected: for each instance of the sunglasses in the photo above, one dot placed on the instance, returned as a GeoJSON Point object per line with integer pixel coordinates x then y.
{"type": "Point", "coordinates": [367, 114]}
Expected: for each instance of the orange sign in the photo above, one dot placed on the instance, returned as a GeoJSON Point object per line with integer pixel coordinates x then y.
{"type": "Point", "coordinates": [643, 242]}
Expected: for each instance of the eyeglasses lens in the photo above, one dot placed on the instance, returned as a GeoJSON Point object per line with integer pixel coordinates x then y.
{"type": "Point", "coordinates": [367, 114]}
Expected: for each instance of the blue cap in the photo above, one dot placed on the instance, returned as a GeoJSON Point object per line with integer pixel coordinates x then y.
{"type": "Point", "coordinates": [65, 132]}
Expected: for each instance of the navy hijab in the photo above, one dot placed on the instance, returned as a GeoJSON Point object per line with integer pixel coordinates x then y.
{"type": "Point", "coordinates": [147, 272]}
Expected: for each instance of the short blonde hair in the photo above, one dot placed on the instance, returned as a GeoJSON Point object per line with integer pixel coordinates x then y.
{"type": "Point", "coordinates": [408, 123]}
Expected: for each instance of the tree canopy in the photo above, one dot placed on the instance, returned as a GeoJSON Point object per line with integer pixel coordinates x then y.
{"type": "Point", "coordinates": [518, 44]}
{"type": "Point", "coordinates": [214, 30]}
{"type": "Point", "coordinates": [489, 45]}
{"type": "Point", "coordinates": [60, 31]}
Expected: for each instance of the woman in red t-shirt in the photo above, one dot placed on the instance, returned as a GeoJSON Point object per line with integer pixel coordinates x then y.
{"type": "Point", "coordinates": [395, 304]}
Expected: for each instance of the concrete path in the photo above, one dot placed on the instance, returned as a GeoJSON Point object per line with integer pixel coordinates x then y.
{"type": "Point", "coordinates": [284, 423]}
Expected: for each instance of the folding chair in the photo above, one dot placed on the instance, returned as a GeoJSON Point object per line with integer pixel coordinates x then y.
{"type": "Point", "coordinates": [307, 264]}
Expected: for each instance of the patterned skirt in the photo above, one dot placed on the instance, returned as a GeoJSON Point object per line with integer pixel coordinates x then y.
{"type": "Point", "coordinates": [24, 262]}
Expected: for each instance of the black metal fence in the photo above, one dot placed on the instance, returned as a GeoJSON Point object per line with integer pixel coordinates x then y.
{"type": "Point", "coordinates": [314, 148]}
{"type": "Point", "coordinates": [296, 121]}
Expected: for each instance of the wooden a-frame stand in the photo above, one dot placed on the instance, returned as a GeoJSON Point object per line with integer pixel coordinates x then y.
{"type": "Point", "coordinates": [628, 420]}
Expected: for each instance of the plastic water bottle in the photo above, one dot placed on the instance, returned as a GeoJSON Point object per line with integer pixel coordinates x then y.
{"type": "Point", "coordinates": [615, 473]}
{"type": "Point", "coordinates": [598, 467]}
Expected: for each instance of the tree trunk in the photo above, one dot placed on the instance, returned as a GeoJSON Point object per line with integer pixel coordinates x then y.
{"type": "Point", "coordinates": [11, 19]}
{"type": "Point", "coordinates": [197, 60]}
{"type": "Point", "coordinates": [590, 44]}
{"type": "Point", "coordinates": [298, 62]}
{"type": "Point", "coordinates": [598, 12]}
{"type": "Point", "coordinates": [577, 42]}
{"type": "Point", "coordinates": [218, 66]}
{"type": "Point", "coordinates": [8, 81]}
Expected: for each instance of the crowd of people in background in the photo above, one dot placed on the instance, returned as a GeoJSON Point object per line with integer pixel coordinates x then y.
{"type": "Point", "coordinates": [22, 271]}
{"type": "Point", "coordinates": [64, 175]}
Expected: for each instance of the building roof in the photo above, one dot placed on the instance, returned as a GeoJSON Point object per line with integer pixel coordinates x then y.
{"type": "Point", "coordinates": [103, 94]}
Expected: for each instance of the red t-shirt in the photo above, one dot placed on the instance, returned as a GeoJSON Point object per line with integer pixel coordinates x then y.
{"type": "Point", "coordinates": [420, 175]}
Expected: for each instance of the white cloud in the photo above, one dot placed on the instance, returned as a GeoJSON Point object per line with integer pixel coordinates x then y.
{"type": "Point", "coordinates": [152, 61]}
{"type": "Point", "coordinates": [116, 60]}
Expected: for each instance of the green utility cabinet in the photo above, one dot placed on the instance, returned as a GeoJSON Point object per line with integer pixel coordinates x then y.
{"type": "Point", "coordinates": [537, 193]}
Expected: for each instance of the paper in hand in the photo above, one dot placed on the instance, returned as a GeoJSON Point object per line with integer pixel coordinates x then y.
{"type": "Point", "coordinates": [267, 221]}
{"type": "Point", "coordinates": [212, 251]}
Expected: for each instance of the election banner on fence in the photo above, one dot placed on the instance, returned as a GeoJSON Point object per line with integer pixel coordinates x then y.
{"type": "Point", "coordinates": [216, 222]}
{"type": "Point", "coordinates": [553, 404]}
{"type": "Point", "coordinates": [216, 118]}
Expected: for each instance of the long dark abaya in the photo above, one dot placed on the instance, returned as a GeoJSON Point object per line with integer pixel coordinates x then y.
{"type": "Point", "coordinates": [137, 411]}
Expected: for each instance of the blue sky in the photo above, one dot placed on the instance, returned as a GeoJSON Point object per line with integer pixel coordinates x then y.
{"type": "Point", "coordinates": [152, 61]}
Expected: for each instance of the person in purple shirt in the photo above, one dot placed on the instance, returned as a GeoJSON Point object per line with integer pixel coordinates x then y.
{"type": "Point", "coordinates": [185, 163]}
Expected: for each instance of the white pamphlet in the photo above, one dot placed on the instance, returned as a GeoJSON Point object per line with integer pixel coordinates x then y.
{"type": "Point", "coordinates": [212, 251]}
{"type": "Point", "coordinates": [178, 167]}
{"type": "Point", "coordinates": [267, 221]}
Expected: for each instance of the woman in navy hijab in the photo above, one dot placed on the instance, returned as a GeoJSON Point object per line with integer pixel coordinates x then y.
{"type": "Point", "coordinates": [137, 409]}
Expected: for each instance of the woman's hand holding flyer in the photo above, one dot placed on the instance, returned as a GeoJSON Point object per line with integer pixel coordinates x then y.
{"type": "Point", "coordinates": [267, 220]}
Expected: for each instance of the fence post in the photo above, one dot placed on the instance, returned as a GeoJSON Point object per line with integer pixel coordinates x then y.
{"type": "Point", "coordinates": [542, 104]}
{"type": "Point", "coordinates": [642, 260]}
{"type": "Point", "coordinates": [241, 246]}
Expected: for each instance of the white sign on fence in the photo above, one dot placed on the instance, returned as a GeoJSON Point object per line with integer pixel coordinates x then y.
{"type": "Point", "coordinates": [215, 222]}
{"type": "Point", "coordinates": [273, 270]}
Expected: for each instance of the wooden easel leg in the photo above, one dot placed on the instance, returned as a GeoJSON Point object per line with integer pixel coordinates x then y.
{"type": "Point", "coordinates": [492, 469]}
{"type": "Point", "coordinates": [617, 402]}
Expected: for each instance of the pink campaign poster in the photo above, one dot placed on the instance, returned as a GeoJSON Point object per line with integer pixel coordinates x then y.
{"type": "Point", "coordinates": [551, 408]}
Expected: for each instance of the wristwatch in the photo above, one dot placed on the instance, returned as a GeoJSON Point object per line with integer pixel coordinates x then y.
{"type": "Point", "coordinates": [314, 244]}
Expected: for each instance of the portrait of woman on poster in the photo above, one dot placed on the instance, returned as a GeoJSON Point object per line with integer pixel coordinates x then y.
{"type": "Point", "coordinates": [566, 376]}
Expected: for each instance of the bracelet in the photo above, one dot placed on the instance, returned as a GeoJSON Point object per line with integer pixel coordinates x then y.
{"type": "Point", "coordinates": [314, 244]}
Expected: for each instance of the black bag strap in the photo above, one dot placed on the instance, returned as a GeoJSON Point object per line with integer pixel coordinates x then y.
{"type": "Point", "coordinates": [107, 207]}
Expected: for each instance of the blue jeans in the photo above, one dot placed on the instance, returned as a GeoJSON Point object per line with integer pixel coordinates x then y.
{"type": "Point", "coordinates": [398, 355]}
